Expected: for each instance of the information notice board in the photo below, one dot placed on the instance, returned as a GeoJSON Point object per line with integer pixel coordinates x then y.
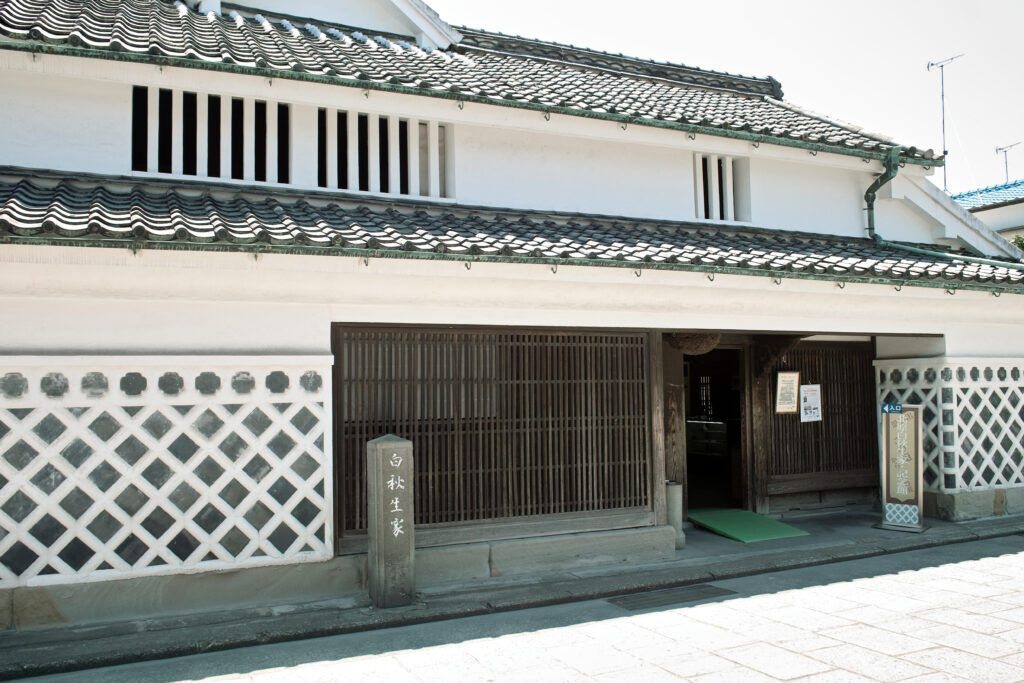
{"type": "Point", "coordinates": [901, 470]}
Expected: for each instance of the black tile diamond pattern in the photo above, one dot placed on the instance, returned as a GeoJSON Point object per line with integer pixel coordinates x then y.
{"type": "Point", "coordinates": [76, 503]}
{"type": "Point", "coordinates": [20, 455]}
{"type": "Point", "coordinates": [77, 452]}
{"type": "Point", "coordinates": [183, 545]}
{"type": "Point", "coordinates": [157, 522]}
{"type": "Point", "coordinates": [208, 424]}
{"type": "Point", "coordinates": [49, 428]}
{"type": "Point", "coordinates": [257, 468]}
{"type": "Point", "coordinates": [234, 493]}
{"type": "Point", "coordinates": [184, 496]}
{"type": "Point", "coordinates": [18, 506]}
{"type": "Point", "coordinates": [157, 474]}
{"type": "Point", "coordinates": [48, 478]}
{"type": "Point", "coordinates": [19, 557]}
{"type": "Point", "coordinates": [234, 541]}
{"type": "Point", "coordinates": [47, 530]}
{"type": "Point", "coordinates": [131, 450]}
{"type": "Point", "coordinates": [257, 422]}
{"type": "Point", "coordinates": [209, 518]}
{"type": "Point", "coordinates": [183, 448]}
{"type": "Point", "coordinates": [104, 526]}
{"type": "Point", "coordinates": [75, 554]}
{"type": "Point", "coordinates": [157, 425]}
{"type": "Point", "coordinates": [122, 459]}
{"type": "Point", "coordinates": [283, 537]}
{"type": "Point", "coordinates": [105, 426]}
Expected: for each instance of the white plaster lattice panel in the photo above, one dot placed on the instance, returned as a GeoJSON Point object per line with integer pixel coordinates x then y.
{"type": "Point", "coordinates": [974, 417]}
{"type": "Point", "coordinates": [126, 466]}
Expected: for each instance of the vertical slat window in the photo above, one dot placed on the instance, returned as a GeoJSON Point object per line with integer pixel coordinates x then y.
{"type": "Point", "coordinates": [717, 179]}
{"type": "Point", "coordinates": [321, 148]}
{"type": "Point", "coordinates": [213, 118]}
{"type": "Point", "coordinates": [165, 135]}
{"type": "Point", "coordinates": [364, 153]}
{"type": "Point", "coordinates": [424, 169]}
{"type": "Point", "coordinates": [383, 153]}
{"type": "Point", "coordinates": [343, 179]}
{"type": "Point", "coordinates": [260, 140]}
{"type": "Point", "coordinates": [504, 424]}
{"type": "Point", "coordinates": [284, 143]}
{"type": "Point", "coordinates": [237, 138]}
{"type": "Point", "coordinates": [189, 133]}
{"type": "Point", "coordinates": [442, 160]}
{"type": "Point", "coordinates": [140, 118]}
{"type": "Point", "coordinates": [403, 157]}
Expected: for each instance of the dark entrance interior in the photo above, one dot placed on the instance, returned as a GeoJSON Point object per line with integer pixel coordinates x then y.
{"type": "Point", "coordinates": [714, 429]}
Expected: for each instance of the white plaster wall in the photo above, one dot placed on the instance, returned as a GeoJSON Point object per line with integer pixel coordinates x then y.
{"type": "Point", "coordinates": [74, 114]}
{"type": "Point", "coordinates": [1003, 217]}
{"type": "Point", "coordinates": [520, 169]}
{"type": "Point", "coordinates": [51, 121]}
{"type": "Point", "coordinates": [808, 197]}
{"type": "Point", "coordinates": [899, 220]}
{"type": "Point", "coordinates": [60, 300]}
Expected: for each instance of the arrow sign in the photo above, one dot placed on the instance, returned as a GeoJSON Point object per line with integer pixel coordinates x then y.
{"type": "Point", "coordinates": [892, 408]}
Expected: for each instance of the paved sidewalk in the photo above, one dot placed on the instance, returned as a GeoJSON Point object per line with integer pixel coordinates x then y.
{"type": "Point", "coordinates": [948, 613]}
{"type": "Point", "coordinates": [831, 539]}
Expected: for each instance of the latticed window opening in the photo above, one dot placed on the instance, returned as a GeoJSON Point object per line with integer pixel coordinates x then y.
{"type": "Point", "coordinates": [845, 440]}
{"type": "Point", "coordinates": [186, 133]}
{"type": "Point", "coordinates": [721, 187]}
{"type": "Point", "coordinates": [383, 154]}
{"type": "Point", "coordinates": [503, 424]}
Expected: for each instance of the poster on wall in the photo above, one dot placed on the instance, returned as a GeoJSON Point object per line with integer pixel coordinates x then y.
{"type": "Point", "coordinates": [901, 471]}
{"type": "Point", "coordinates": [786, 388]}
{"type": "Point", "coordinates": [810, 403]}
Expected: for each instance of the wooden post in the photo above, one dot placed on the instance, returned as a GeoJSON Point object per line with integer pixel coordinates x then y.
{"type": "Point", "coordinates": [389, 489]}
{"type": "Point", "coordinates": [656, 382]}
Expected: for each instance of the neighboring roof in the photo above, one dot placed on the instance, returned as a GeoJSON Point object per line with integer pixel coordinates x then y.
{"type": "Point", "coordinates": [48, 208]}
{"type": "Point", "coordinates": [990, 197]}
{"type": "Point", "coordinates": [485, 67]}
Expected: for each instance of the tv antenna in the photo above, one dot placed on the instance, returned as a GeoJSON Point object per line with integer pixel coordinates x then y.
{"type": "Point", "coordinates": [1006, 162]}
{"type": "Point", "coordinates": [941, 66]}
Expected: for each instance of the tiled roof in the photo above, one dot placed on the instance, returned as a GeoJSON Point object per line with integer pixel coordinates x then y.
{"type": "Point", "coordinates": [47, 208]}
{"type": "Point", "coordinates": [484, 67]}
{"type": "Point", "coordinates": [989, 196]}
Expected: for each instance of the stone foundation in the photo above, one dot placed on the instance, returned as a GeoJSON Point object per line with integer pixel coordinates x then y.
{"type": "Point", "coordinates": [966, 505]}
{"type": "Point", "coordinates": [342, 578]}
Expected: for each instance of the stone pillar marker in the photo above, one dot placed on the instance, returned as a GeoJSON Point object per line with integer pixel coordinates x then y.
{"type": "Point", "coordinates": [389, 497]}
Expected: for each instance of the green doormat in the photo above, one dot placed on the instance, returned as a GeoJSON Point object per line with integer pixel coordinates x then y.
{"type": "Point", "coordinates": [742, 525]}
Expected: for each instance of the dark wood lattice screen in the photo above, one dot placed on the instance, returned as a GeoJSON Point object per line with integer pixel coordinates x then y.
{"type": "Point", "coordinates": [845, 439]}
{"type": "Point", "coordinates": [503, 424]}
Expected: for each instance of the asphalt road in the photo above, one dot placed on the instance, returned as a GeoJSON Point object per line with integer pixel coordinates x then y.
{"type": "Point", "coordinates": [948, 613]}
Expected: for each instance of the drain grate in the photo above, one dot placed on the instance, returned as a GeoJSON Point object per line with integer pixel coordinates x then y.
{"type": "Point", "coordinates": [669, 596]}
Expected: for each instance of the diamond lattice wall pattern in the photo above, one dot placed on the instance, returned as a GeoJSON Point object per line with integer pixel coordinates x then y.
{"type": "Point", "coordinates": [973, 418]}
{"type": "Point", "coordinates": [125, 467]}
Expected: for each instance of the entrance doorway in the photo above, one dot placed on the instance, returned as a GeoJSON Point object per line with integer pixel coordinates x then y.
{"type": "Point", "coordinates": [714, 387]}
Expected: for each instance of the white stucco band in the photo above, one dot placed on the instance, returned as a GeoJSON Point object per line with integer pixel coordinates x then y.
{"type": "Point", "coordinates": [163, 302]}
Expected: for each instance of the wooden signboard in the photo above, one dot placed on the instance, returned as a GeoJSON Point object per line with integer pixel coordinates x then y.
{"type": "Point", "coordinates": [901, 471]}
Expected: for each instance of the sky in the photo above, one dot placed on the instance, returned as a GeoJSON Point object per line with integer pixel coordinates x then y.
{"type": "Point", "coordinates": [861, 62]}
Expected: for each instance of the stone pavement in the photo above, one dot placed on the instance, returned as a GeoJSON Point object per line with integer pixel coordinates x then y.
{"type": "Point", "coordinates": [947, 613]}
{"type": "Point", "coordinates": [834, 541]}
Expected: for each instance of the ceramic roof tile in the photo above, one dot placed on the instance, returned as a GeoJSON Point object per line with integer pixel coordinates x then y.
{"type": "Point", "coordinates": [991, 196]}
{"type": "Point", "coordinates": [50, 207]}
{"type": "Point", "coordinates": [500, 68]}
